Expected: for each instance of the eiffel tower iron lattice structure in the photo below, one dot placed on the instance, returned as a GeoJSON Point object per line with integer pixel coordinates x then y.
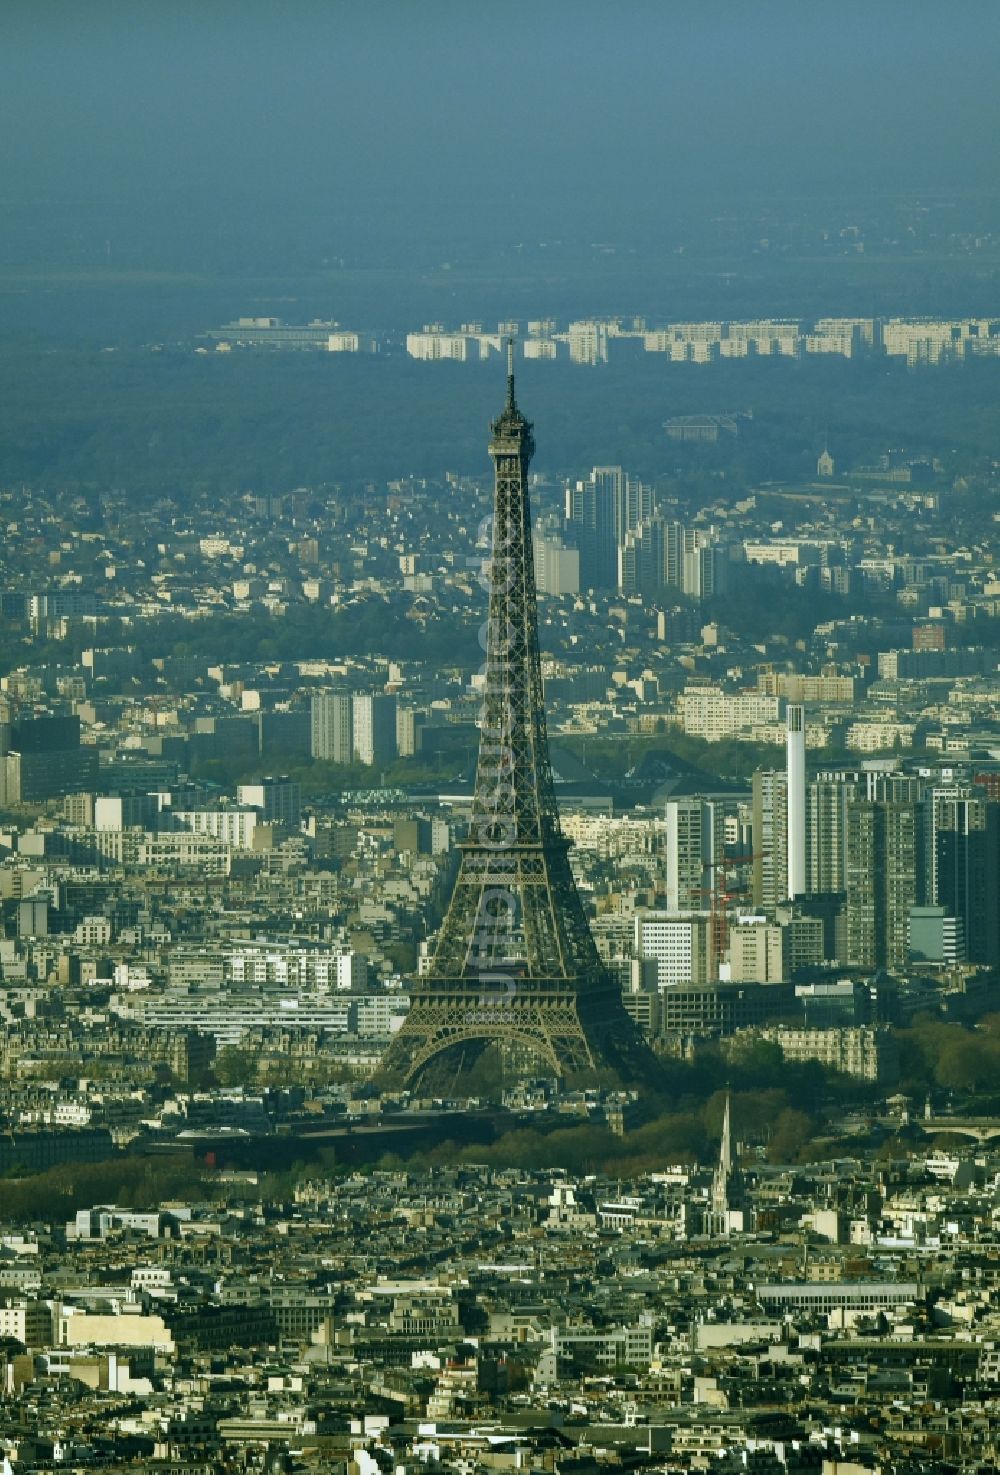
{"type": "Point", "coordinates": [515, 963]}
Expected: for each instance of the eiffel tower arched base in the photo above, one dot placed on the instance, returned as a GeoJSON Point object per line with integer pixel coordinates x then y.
{"type": "Point", "coordinates": [479, 1068]}
{"type": "Point", "coordinates": [446, 1032]}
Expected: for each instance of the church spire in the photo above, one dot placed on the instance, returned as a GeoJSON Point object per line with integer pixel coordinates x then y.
{"type": "Point", "coordinates": [727, 1212]}
{"type": "Point", "coordinates": [723, 1171]}
{"type": "Point", "coordinates": [726, 1145]}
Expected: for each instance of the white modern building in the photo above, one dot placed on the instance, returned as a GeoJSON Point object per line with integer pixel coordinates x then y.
{"type": "Point", "coordinates": [680, 943]}
{"type": "Point", "coordinates": [795, 808]}
{"type": "Point", "coordinates": [374, 728]}
{"type": "Point", "coordinates": [692, 843]}
{"type": "Point", "coordinates": [557, 567]}
{"type": "Point", "coordinates": [233, 827]}
{"type": "Point", "coordinates": [332, 726]}
{"type": "Point", "coordinates": [711, 713]}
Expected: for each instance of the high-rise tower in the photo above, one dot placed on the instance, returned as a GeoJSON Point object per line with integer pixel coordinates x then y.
{"type": "Point", "coordinates": [770, 838]}
{"type": "Point", "coordinates": [795, 801]}
{"type": "Point", "coordinates": [515, 963]}
{"type": "Point", "coordinates": [962, 864]}
{"type": "Point", "coordinates": [332, 726]}
{"type": "Point", "coordinates": [693, 851]}
{"type": "Point", "coordinates": [884, 872]}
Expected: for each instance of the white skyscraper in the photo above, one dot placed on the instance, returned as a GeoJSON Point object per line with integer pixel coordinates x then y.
{"type": "Point", "coordinates": [557, 568]}
{"type": "Point", "coordinates": [332, 726]}
{"type": "Point", "coordinates": [374, 728]}
{"type": "Point", "coordinates": [694, 837]}
{"type": "Point", "coordinates": [795, 774]}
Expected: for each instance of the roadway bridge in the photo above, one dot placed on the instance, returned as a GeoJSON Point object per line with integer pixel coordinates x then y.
{"type": "Point", "coordinates": [979, 1129]}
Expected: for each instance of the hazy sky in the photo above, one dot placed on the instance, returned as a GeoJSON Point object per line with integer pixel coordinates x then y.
{"type": "Point", "coordinates": [396, 120]}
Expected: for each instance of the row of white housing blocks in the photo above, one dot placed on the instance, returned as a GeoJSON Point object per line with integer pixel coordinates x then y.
{"type": "Point", "coordinates": [588, 341]}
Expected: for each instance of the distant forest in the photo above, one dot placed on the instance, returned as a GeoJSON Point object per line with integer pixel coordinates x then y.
{"type": "Point", "coordinates": [176, 422]}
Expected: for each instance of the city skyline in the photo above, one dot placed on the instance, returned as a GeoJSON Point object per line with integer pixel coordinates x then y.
{"type": "Point", "coordinates": [499, 945]}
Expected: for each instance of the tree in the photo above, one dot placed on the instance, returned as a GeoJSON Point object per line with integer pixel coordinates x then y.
{"type": "Point", "coordinates": [968, 1062]}
{"type": "Point", "coordinates": [792, 1131]}
{"type": "Point", "coordinates": [236, 1067]}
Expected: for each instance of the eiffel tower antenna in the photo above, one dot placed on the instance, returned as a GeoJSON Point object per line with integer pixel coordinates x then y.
{"type": "Point", "coordinates": [515, 963]}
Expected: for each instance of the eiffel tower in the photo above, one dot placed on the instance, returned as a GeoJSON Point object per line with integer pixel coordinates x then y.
{"type": "Point", "coordinates": [515, 963]}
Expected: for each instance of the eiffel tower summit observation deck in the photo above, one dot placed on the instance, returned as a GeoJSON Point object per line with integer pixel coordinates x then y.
{"type": "Point", "coordinates": [515, 966]}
